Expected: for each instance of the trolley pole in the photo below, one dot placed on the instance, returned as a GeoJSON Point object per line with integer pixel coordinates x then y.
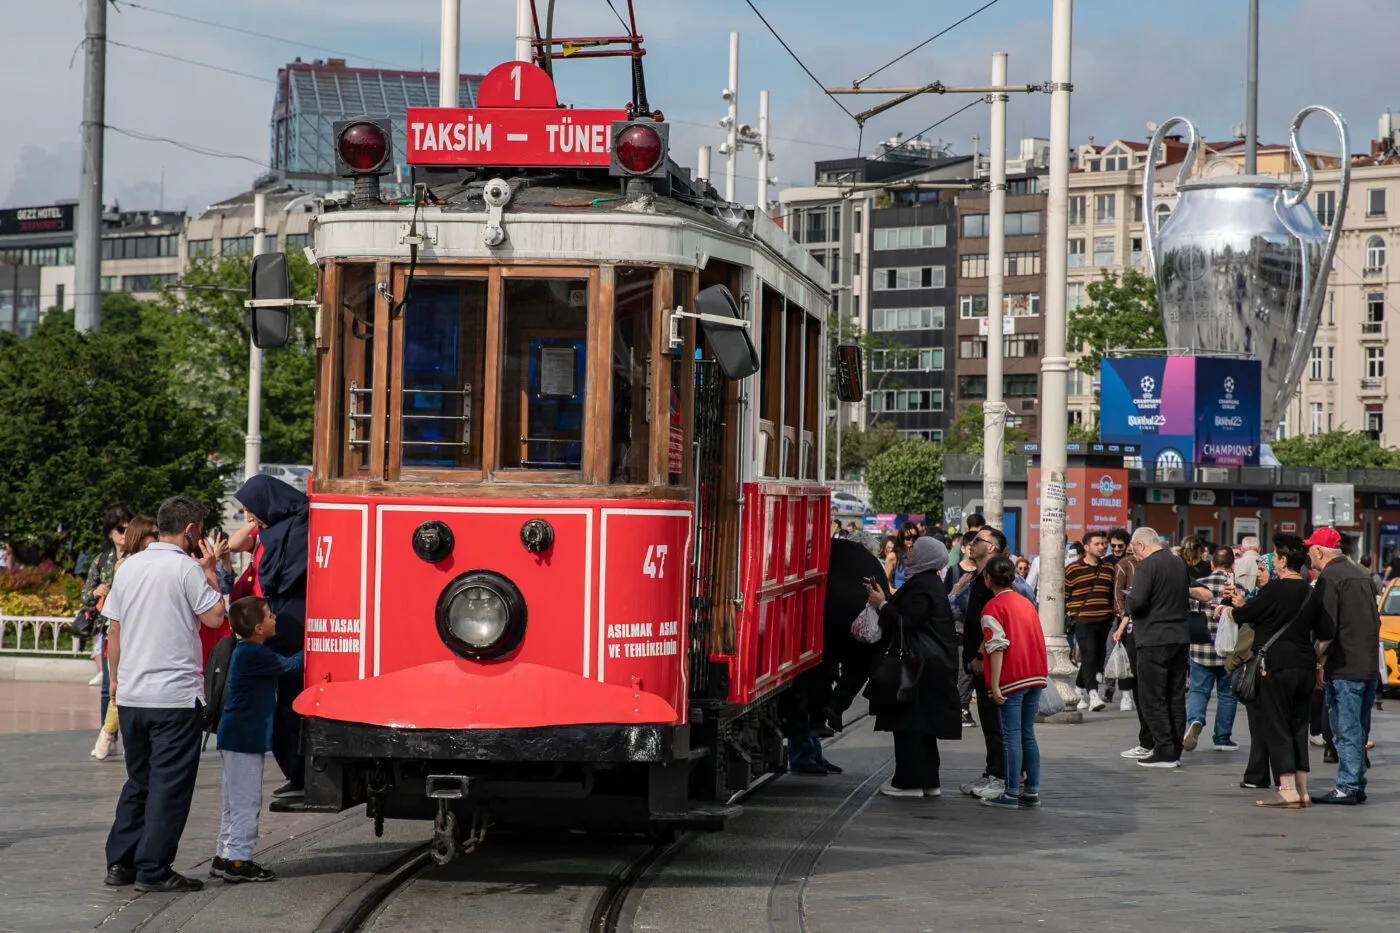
{"type": "Point", "coordinates": [731, 94]}
{"type": "Point", "coordinates": [1054, 366]}
{"type": "Point", "coordinates": [994, 409]}
{"type": "Point", "coordinates": [88, 260]}
{"type": "Point", "coordinates": [252, 447]}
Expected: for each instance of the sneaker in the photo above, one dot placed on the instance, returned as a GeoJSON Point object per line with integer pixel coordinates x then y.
{"type": "Point", "coordinates": [173, 883]}
{"type": "Point", "coordinates": [1361, 796]}
{"type": "Point", "coordinates": [289, 790]}
{"type": "Point", "coordinates": [1126, 704]}
{"type": "Point", "coordinates": [972, 787]}
{"type": "Point", "coordinates": [996, 787]}
{"type": "Point", "coordinates": [103, 748]}
{"type": "Point", "coordinates": [1193, 736]}
{"type": "Point", "coordinates": [1083, 698]}
{"type": "Point", "coordinates": [1317, 741]}
{"type": "Point", "coordinates": [1226, 746]}
{"type": "Point", "coordinates": [239, 872]}
{"type": "Point", "coordinates": [218, 867]}
{"type": "Point", "coordinates": [933, 792]}
{"type": "Point", "coordinates": [1002, 801]}
{"type": "Point", "coordinates": [1096, 702]}
{"type": "Point", "coordinates": [889, 790]}
{"type": "Point", "coordinates": [1337, 797]}
{"type": "Point", "coordinates": [96, 680]}
{"type": "Point", "coordinates": [1137, 752]}
{"type": "Point", "coordinates": [967, 719]}
{"type": "Point", "coordinates": [1030, 801]}
{"type": "Point", "coordinates": [1160, 760]}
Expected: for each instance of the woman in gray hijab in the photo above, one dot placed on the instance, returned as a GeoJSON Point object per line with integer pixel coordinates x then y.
{"type": "Point", "coordinates": [919, 609]}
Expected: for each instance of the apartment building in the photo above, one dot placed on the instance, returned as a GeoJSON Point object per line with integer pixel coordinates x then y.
{"type": "Point", "coordinates": [226, 228]}
{"type": "Point", "coordinates": [1023, 323]}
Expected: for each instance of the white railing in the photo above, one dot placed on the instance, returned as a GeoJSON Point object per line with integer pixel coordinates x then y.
{"type": "Point", "coordinates": [36, 634]}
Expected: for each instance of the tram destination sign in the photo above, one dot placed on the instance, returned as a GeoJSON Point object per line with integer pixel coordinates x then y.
{"type": "Point", "coordinates": [513, 136]}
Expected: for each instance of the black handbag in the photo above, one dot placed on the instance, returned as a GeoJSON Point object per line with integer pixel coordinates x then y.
{"type": "Point", "coordinates": [1245, 679]}
{"type": "Point", "coordinates": [1198, 626]}
{"type": "Point", "coordinates": [85, 624]}
{"type": "Point", "coordinates": [894, 676]}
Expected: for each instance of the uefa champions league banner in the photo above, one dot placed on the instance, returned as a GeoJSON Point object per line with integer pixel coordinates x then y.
{"type": "Point", "coordinates": [1182, 409]}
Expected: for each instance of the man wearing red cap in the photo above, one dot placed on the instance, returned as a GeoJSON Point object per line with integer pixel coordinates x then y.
{"type": "Point", "coordinates": [1348, 671]}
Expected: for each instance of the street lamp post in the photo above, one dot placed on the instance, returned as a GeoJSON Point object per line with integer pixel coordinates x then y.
{"type": "Point", "coordinates": [252, 447]}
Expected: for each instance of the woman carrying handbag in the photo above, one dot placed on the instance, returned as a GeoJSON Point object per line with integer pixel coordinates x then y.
{"type": "Point", "coordinates": [913, 686]}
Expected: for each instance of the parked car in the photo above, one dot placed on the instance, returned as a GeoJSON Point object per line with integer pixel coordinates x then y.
{"type": "Point", "coordinates": [845, 502]}
{"type": "Point", "coordinates": [293, 475]}
{"type": "Point", "coordinates": [1390, 636]}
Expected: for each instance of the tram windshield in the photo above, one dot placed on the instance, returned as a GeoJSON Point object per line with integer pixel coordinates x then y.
{"type": "Point", "coordinates": [544, 365]}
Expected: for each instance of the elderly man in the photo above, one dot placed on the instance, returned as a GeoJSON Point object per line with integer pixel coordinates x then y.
{"type": "Point", "coordinates": [1349, 671]}
{"type": "Point", "coordinates": [1247, 564]}
{"type": "Point", "coordinates": [1158, 609]}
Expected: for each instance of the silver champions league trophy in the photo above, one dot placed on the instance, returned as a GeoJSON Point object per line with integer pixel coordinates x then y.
{"type": "Point", "coordinates": [1241, 265]}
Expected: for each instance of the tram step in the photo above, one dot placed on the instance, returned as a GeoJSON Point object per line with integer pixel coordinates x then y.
{"type": "Point", "coordinates": [702, 816]}
{"type": "Point", "coordinates": [298, 805]}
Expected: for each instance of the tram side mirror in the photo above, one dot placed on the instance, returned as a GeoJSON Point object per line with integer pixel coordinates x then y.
{"type": "Point", "coordinates": [732, 343]}
{"type": "Point", "coordinates": [849, 373]}
{"type": "Point", "coordinates": [270, 324]}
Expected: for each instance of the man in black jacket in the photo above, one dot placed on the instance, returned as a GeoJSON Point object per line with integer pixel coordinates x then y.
{"type": "Point", "coordinates": [987, 543]}
{"type": "Point", "coordinates": [1158, 606]}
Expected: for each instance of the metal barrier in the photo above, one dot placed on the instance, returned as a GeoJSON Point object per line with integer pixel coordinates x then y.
{"type": "Point", "coordinates": [36, 635]}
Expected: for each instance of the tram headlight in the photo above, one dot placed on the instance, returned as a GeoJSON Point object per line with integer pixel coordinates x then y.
{"type": "Point", "coordinates": [481, 615]}
{"type": "Point", "coordinates": [639, 148]}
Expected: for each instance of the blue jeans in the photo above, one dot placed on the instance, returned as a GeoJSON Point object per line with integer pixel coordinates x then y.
{"type": "Point", "coordinates": [1202, 680]}
{"type": "Point", "coordinates": [1349, 703]}
{"type": "Point", "coordinates": [1018, 739]}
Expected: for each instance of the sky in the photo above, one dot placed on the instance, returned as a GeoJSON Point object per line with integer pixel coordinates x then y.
{"type": "Point", "coordinates": [1134, 62]}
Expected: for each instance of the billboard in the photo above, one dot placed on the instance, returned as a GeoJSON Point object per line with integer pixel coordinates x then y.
{"type": "Point", "coordinates": [1182, 409]}
{"type": "Point", "coordinates": [1096, 500]}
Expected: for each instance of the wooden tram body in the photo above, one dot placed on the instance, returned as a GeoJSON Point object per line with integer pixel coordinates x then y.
{"type": "Point", "coordinates": [518, 414]}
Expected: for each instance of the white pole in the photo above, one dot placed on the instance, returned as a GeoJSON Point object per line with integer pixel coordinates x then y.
{"type": "Point", "coordinates": [87, 276]}
{"type": "Point", "coordinates": [733, 142]}
{"type": "Point", "coordinates": [252, 448]}
{"type": "Point", "coordinates": [702, 172]}
{"type": "Point", "coordinates": [994, 410]}
{"type": "Point", "coordinates": [762, 203]}
{"type": "Point", "coordinates": [845, 301]}
{"type": "Point", "coordinates": [1054, 366]}
{"type": "Point", "coordinates": [524, 32]}
{"type": "Point", "coordinates": [448, 68]}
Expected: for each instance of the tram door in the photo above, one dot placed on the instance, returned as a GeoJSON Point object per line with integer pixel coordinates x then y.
{"type": "Point", "coordinates": [709, 475]}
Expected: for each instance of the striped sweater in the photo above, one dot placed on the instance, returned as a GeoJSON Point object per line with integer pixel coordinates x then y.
{"type": "Point", "coordinates": [1011, 625]}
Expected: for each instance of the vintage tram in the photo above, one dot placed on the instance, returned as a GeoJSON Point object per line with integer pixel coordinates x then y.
{"type": "Point", "coordinates": [568, 531]}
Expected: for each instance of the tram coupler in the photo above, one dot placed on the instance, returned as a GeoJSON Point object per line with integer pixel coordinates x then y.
{"type": "Point", "coordinates": [447, 833]}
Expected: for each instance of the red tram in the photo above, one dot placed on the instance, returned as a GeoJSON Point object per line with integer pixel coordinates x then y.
{"type": "Point", "coordinates": [568, 531]}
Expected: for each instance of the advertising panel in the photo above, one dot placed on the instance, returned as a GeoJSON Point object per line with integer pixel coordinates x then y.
{"type": "Point", "coordinates": [1148, 401]}
{"type": "Point", "coordinates": [1227, 412]}
{"type": "Point", "coordinates": [1096, 499]}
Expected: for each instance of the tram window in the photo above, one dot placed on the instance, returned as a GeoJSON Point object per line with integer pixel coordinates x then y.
{"type": "Point", "coordinates": [814, 393]}
{"type": "Point", "coordinates": [543, 376]}
{"type": "Point", "coordinates": [792, 390]}
{"type": "Point", "coordinates": [681, 366]}
{"type": "Point", "coordinates": [353, 410]}
{"type": "Point", "coordinates": [631, 375]}
{"type": "Point", "coordinates": [444, 349]}
{"type": "Point", "coordinates": [770, 372]}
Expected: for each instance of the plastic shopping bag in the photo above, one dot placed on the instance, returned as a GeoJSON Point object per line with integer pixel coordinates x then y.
{"type": "Point", "coordinates": [866, 627]}
{"type": "Point", "coordinates": [1050, 702]}
{"type": "Point", "coordinates": [1227, 634]}
{"type": "Point", "coordinates": [1117, 667]}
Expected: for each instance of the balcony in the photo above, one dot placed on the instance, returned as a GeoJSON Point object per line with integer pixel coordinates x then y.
{"type": "Point", "coordinates": [1373, 272]}
{"type": "Point", "coordinates": [1373, 331]}
{"type": "Point", "coordinates": [1373, 386]}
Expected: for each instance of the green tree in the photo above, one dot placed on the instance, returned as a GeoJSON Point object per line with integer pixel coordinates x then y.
{"type": "Point", "coordinates": [966, 433]}
{"type": "Point", "coordinates": [202, 331]}
{"type": "Point", "coordinates": [88, 421]}
{"type": "Point", "coordinates": [1350, 449]}
{"type": "Point", "coordinates": [906, 478]}
{"type": "Point", "coordinates": [1121, 314]}
{"type": "Point", "coordinates": [859, 447]}
{"type": "Point", "coordinates": [1079, 431]}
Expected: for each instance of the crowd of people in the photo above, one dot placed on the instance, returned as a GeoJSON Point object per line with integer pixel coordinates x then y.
{"type": "Point", "coordinates": [168, 600]}
{"type": "Point", "coordinates": [953, 619]}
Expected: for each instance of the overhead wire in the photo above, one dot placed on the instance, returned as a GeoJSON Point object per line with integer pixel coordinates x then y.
{"type": "Point", "coordinates": [763, 19]}
{"type": "Point", "coordinates": [257, 35]}
{"type": "Point", "coordinates": [191, 61]}
{"type": "Point", "coordinates": [933, 126]}
{"type": "Point", "coordinates": [937, 35]}
{"type": "Point", "coordinates": [190, 147]}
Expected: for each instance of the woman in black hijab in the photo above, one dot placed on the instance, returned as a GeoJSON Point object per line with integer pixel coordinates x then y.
{"type": "Point", "coordinates": [280, 512]}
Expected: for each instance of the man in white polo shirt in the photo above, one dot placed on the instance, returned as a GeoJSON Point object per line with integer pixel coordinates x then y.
{"type": "Point", "coordinates": [159, 599]}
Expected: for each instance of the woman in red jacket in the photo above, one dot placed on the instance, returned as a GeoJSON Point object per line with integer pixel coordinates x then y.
{"type": "Point", "coordinates": [1017, 671]}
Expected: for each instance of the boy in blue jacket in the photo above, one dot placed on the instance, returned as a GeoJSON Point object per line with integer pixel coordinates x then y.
{"type": "Point", "coordinates": [245, 736]}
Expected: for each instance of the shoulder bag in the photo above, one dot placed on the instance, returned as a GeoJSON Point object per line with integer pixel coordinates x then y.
{"type": "Point", "coordinates": [894, 675]}
{"type": "Point", "coordinates": [1245, 680]}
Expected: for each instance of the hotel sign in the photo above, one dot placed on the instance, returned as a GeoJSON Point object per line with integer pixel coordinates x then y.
{"type": "Point", "coordinates": [53, 218]}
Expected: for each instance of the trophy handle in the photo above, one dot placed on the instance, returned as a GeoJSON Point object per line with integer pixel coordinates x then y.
{"type": "Point", "coordinates": [1295, 198]}
{"type": "Point", "coordinates": [1149, 177]}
